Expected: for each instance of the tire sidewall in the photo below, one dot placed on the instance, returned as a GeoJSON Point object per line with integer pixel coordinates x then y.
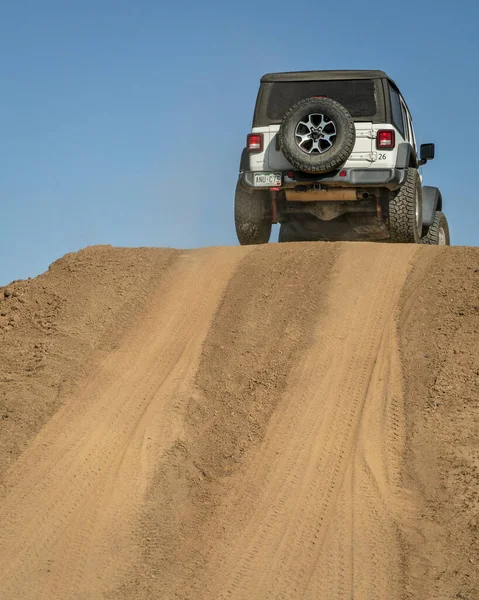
{"type": "Point", "coordinates": [443, 224]}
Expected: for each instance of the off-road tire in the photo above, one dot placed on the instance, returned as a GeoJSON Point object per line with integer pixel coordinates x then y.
{"type": "Point", "coordinates": [433, 235]}
{"type": "Point", "coordinates": [331, 159]}
{"type": "Point", "coordinates": [404, 222]}
{"type": "Point", "coordinates": [252, 216]}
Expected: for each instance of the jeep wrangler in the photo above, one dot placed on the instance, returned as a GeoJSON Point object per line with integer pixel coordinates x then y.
{"type": "Point", "coordinates": [332, 156]}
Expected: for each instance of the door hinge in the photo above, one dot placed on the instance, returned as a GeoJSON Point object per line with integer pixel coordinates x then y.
{"type": "Point", "coordinates": [370, 156]}
{"type": "Point", "coordinates": [364, 133]}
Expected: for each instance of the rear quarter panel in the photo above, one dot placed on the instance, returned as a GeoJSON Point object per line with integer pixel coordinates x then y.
{"type": "Point", "coordinates": [364, 154]}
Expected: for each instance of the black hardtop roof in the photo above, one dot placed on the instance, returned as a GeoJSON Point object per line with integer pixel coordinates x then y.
{"type": "Point", "coordinates": [324, 76]}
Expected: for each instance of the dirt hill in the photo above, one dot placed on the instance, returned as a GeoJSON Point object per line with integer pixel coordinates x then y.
{"type": "Point", "coordinates": [279, 422]}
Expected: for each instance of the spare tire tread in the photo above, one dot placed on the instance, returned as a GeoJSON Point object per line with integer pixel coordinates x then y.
{"type": "Point", "coordinates": [340, 157]}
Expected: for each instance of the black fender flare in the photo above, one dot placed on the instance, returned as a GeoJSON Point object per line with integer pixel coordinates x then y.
{"type": "Point", "coordinates": [406, 156]}
{"type": "Point", "coordinates": [431, 202]}
{"type": "Point", "coordinates": [244, 162]}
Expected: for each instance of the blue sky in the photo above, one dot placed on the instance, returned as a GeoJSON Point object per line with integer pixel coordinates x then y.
{"type": "Point", "coordinates": [122, 122]}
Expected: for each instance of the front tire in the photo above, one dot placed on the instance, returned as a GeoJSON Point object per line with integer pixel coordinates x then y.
{"type": "Point", "coordinates": [438, 233]}
{"type": "Point", "coordinates": [405, 211]}
{"type": "Point", "coordinates": [252, 216]}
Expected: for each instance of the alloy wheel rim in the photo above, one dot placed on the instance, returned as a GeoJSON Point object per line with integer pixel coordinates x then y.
{"type": "Point", "coordinates": [315, 134]}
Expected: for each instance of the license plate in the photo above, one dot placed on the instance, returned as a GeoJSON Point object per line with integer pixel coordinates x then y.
{"type": "Point", "coordinates": [267, 179]}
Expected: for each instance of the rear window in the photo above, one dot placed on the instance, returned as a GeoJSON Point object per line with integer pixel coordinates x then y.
{"type": "Point", "coordinates": [357, 95]}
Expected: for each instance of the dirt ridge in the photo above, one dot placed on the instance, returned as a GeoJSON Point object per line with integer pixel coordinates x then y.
{"type": "Point", "coordinates": [285, 421]}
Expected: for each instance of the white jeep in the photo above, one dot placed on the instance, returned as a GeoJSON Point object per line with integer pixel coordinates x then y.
{"type": "Point", "coordinates": [332, 156]}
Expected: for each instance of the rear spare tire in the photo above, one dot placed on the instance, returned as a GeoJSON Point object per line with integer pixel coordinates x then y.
{"type": "Point", "coordinates": [438, 233]}
{"type": "Point", "coordinates": [405, 211]}
{"type": "Point", "coordinates": [317, 135]}
{"type": "Point", "coordinates": [252, 216]}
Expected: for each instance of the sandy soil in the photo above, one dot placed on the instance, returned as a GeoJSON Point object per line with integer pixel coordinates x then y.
{"type": "Point", "coordinates": [286, 421]}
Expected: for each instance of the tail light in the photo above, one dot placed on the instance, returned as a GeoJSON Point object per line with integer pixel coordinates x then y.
{"type": "Point", "coordinates": [254, 142]}
{"type": "Point", "coordinates": [385, 139]}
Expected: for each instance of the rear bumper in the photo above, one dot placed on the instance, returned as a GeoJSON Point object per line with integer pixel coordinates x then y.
{"type": "Point", "coordinates": [357, 178]}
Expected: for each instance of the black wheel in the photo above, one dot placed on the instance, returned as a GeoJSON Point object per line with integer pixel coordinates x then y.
{"type": "Point", "coordinates": [405, 211]}
{"type": "Point", "coordinates": [317, 135]}
{"type": "Point", "coordinates": [252, 216]}
{"type": "Point", "coordinates": [438, 233]}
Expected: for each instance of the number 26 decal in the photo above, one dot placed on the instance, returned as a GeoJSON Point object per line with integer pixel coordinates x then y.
{"type": "Point", "coordinates": [382, 156]}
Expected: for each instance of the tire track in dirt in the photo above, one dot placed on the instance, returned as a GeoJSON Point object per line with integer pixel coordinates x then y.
{"type": "Point", "coordinates": [259, 333]}
{"type": "Point", "coordinates": [330, 446]}
{"type": "Point", "coordinates": [88, 469]}
{"type": "Point", "coordinates": [243, 435]}
{"type": "Point", "coordinates": [310, 505]}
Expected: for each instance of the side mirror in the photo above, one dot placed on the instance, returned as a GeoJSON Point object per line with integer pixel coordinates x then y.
{"type": "Point", "coordinates": [426, 152]}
